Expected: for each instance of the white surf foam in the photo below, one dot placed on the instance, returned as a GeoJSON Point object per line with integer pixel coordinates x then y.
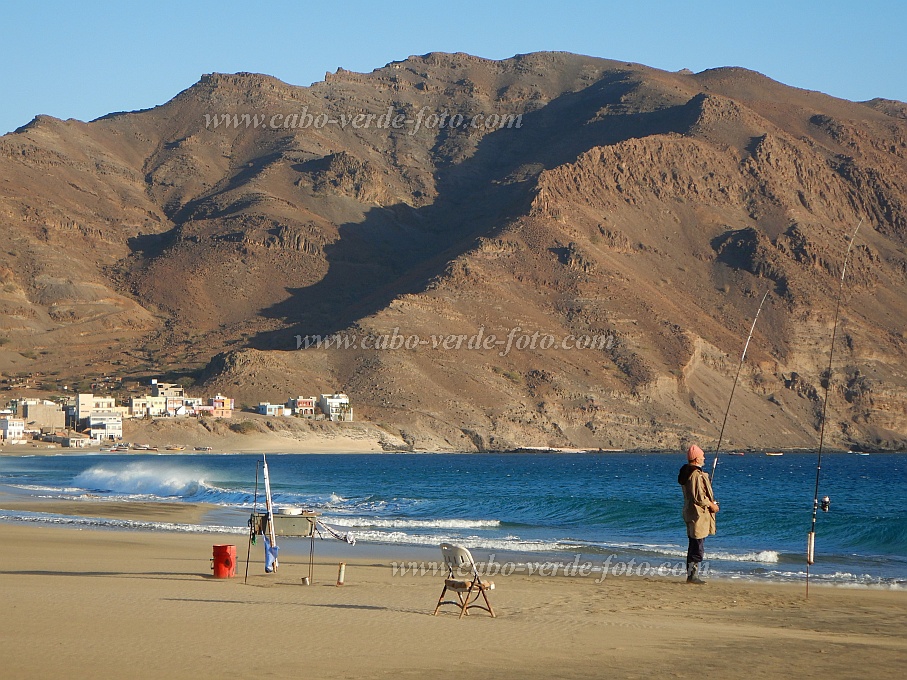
{"type": "Point", "coordinates": [104, 522]}
{"type": "Point", "coordinates": [513, 543]}
{"type": "Point", "coordinates": [142, 478]}
{"type": "Point", "coordinates": [415, 523]}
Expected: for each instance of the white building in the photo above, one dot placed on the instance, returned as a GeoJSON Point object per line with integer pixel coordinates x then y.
{"type": "Point", "coordinates": [154, 407]}
{"type": "Point", "coordinates": [12, 430]}
{"type": "Point", "coordinates": [86, 403]}
{"type": "Point", "coordinates": [267, 409]}
{"type": "Point", "coordinates": [176, 406]}
{"type": "Point", "coordinates": [336, 407]}
{"type": "Point", "coordinates": [70, 439]}
{"type": "Point", "coordinates": [159, 389]}
{"type": "Point", "coordinates": [105, 425]}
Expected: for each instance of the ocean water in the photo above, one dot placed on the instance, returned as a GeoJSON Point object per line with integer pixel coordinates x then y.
{"type": "Point", "coordinates": [619, 512]}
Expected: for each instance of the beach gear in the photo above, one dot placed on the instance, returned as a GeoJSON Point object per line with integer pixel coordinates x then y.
{"type": "Point", "coordinates": [252, 530]}
{"type": "Point", "coordinates": [270, 556]}
{"type": "Point", "coordinates": [284, 521]}
{"type": "Point", "coordinates": [270, 546]}
{"type": "Point", "coordinates": [811, 536]}
{"type": "Point", "coordinates": [348, 536]}
{"type": "Point", "coordinates": [734, 387]}
{"type": "Point", "coordinates": [457, 560]}
{"type": "Point", "coordinates": [223, 561]}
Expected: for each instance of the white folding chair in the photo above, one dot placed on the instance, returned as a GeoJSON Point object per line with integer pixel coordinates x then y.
{"type": "Point", "coordinates": [458, 561]}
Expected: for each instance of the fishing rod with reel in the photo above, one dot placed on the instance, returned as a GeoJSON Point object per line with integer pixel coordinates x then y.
{"type": "Point", "coordinates": [734, 387]}
{"type": "Point", "coordinates": [252, 524]}
{"type": "Point", "coordinates": [826, 501]}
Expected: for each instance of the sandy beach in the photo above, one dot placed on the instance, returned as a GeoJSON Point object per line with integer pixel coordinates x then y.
{"type": "Point", "coordinates": [86, 603]}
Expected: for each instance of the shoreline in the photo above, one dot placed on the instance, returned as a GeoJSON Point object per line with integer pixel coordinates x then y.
{"type": "Point", "coordinates": [272, 434]}
{"type": "Point", "coordinates": [141, 593]}
{"type": "Point", "coordinates": [333, 447]}
{"type": "Point", "coordinates": [143, 518]}
{"type": "Point", "coordinates": [263, 434]}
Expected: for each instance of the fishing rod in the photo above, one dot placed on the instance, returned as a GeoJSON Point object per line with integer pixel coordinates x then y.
{"type": "Point", "coordinates": [252, 527]}
{"type": "Point", "coordinates": [811, 537]}
{"type": "Point", "coordinates": [734, 387]}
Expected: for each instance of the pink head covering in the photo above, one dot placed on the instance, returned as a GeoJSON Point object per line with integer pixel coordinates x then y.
{"type": "Point", "coordinates": [694, 452]}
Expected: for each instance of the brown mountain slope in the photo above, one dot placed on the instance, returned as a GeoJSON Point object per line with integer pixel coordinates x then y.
{"type": "Point", "coordinates": [642, 212]}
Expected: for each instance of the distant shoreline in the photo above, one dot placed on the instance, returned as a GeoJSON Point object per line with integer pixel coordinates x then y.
{"type": "Point", "coordinates": [270, 434]}
{"type": "Point", "coordinates": [342, 445]}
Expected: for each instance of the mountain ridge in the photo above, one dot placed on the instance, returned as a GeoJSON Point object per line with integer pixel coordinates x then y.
{"type": "Point", "coordinates": [650, 207]}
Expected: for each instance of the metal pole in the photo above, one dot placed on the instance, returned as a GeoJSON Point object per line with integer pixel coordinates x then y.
{"type": "Point", "coordinates": [312, 558]}
{"type": "Point", "coordinates": [270, 509]}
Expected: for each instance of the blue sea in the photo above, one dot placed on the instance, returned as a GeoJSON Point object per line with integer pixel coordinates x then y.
{"type": "Point", "coordinates": [605, 509]}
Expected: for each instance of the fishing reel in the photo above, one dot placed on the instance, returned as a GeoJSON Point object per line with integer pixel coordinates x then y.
{"type": "Point", "coordinates": [825, 504]}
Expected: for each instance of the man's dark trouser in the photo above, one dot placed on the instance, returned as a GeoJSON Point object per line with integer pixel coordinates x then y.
{"type": "Point", "coordinates": [696, 551]}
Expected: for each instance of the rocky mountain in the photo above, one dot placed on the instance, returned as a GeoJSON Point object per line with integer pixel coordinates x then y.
{"type": "Point", "coordinates": [612, 226]}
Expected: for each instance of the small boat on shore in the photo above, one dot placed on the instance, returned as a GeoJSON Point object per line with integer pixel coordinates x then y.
{"type": "Point", "coordinates": [176, 448]}
{"type": "Point", "coordinates": [774, 453]}
{"type": "Point", "coordinates": [204, 448]}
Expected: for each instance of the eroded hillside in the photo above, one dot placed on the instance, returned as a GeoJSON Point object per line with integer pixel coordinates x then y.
{"type": "Point", "coordinates": [616, 243]}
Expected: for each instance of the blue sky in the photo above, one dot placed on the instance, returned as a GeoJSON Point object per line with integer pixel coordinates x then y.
{"type": "Point", "coordinates": [83, 60]}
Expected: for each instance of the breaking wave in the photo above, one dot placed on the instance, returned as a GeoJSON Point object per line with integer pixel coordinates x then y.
{"type": "Point", "coordinates": [142, 478]}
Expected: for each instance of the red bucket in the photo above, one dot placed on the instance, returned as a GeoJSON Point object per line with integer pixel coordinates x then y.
{"type": "Point", "coordinates": [224, 561]}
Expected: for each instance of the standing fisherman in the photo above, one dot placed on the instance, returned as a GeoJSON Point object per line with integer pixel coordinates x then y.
{"type": "Point", "coordinates": [699, 508]}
